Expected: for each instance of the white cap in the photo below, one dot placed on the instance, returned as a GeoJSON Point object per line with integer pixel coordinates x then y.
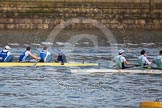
{"type": "Point", "coordinates": [7, 47]}
{"type": "Point", "coordinates": [121, 51]}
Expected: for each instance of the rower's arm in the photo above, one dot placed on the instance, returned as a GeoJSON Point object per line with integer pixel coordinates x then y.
{"type": "Point", "coordinates": [34, 57]}
{"type": "Point", "coordinates": [147, 61]}
{"type": "Point", "coordinates": [126, 62]}
{"type": "Point", "coordinates": [113, 59]}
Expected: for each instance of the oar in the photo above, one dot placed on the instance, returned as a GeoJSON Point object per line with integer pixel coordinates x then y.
{"type": "Point", "coordinates": [35, 63]}
{"type": "Point", "coordinates": [60, 51]}
{"type": "Point", "coordinates": [130, 66]}
{"type": "Point", "coordinates": [139, 66]}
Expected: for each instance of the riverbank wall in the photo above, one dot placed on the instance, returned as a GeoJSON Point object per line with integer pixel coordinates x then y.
{"type": "Point", "coordinates": [47, 14]}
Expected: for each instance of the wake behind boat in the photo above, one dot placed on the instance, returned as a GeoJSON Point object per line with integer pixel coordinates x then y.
{"type": "Point", "coordinates": [134, 71]}
{"type": "Point", "coordinates": [54, 64]}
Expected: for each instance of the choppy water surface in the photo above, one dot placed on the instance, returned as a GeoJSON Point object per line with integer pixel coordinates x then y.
{"type": "Point", "coordinates": [49, 87]}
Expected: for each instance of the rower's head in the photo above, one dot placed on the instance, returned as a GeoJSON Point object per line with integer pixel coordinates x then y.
{"type": "Point", "coordinates": [59, 54]}
{"type": "Point", "coordinates": [45, 48]}
{"type": "Point", "coordinates": [7, 47]}
{"type": "Point", "coordinates": [160, 52]}
{"type": "Point", "coordinates": [28, 48]}
{"type": "Point", "coordinates": [121, 52]}
{"type": "Point", "coordinates": [143, 52]}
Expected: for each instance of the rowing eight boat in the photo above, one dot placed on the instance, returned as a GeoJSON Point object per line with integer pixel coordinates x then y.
{"type": "Point", "coordinates": [135, 71]}
{"type": "Point", "coordinates": [19, 64]}
{"type": "Point", "coordinates": [80, 71]}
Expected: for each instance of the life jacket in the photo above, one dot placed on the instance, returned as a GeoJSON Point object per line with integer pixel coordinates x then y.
{"type": "Point", "coordinates": [119, 63]}
{"type": "Point", "coordinates": [3, 56]}
{"type": "Point", "coordinates": [158, 62]}
{"type": "Point", "coordinates": [43, 55]}
{"type": "Point", "coordinates": [140, 62]}
{"type": "Point", "coordinates": [23, 57]}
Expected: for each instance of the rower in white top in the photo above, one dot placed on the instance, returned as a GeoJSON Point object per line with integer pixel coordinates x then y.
{"type": "Point", "coordinates": [158, 61]}
{"type": "Point", "coordinates": [6, 55]}
{"type": "Point", "coordinates": [120, 60]}
{"type": "Point", "coordinates": [45, 55]}
{"type": "Point", "coordinates": [142, 59]}
{"type": "Point", "coordinates": [26, 56]}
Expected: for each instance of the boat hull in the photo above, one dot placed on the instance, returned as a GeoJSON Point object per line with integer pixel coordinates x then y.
{"type": "Point", "coordinates": [19, 64]}
{"type": "Point", "coordinates": [137, 71]}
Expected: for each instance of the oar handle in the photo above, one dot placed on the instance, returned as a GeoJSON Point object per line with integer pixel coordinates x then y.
{"type": "Point", "coordinates": [59, 51]}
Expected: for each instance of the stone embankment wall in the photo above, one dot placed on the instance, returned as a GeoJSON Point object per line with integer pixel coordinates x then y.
{"type": "Point", "coordinates": [46, 14]}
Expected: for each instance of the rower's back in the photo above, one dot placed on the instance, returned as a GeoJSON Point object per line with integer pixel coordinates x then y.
{"type": "Point", "coordinates": [158, 61]}
{"type": "Point", "coordinates": [118, 61]}
{"type": "Point", "coordinates": [139, 61]}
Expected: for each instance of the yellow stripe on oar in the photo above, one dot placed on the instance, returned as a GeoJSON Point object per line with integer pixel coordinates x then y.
{"type": "Point", "coordinates": [151, 105]}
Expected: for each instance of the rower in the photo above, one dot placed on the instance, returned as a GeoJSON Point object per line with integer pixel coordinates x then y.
{"type": "Point", "coordinates": [45, 55]}
{"type": "Point", "coordinates": [142, 59]}
{"type": "Point", "coordinates": [5, 55]}
{"type": "Point", "coordinates": [120, 60]}
{"type": "Point", "coordinates": [26, 56]}
{"type": "Point", "coordinates": [158, 60]}
{"type": "Point", "coordinates": [61, 58]}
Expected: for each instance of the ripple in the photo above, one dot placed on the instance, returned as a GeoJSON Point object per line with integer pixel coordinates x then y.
{"type": "Point", "coordinates": [57, 88]}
